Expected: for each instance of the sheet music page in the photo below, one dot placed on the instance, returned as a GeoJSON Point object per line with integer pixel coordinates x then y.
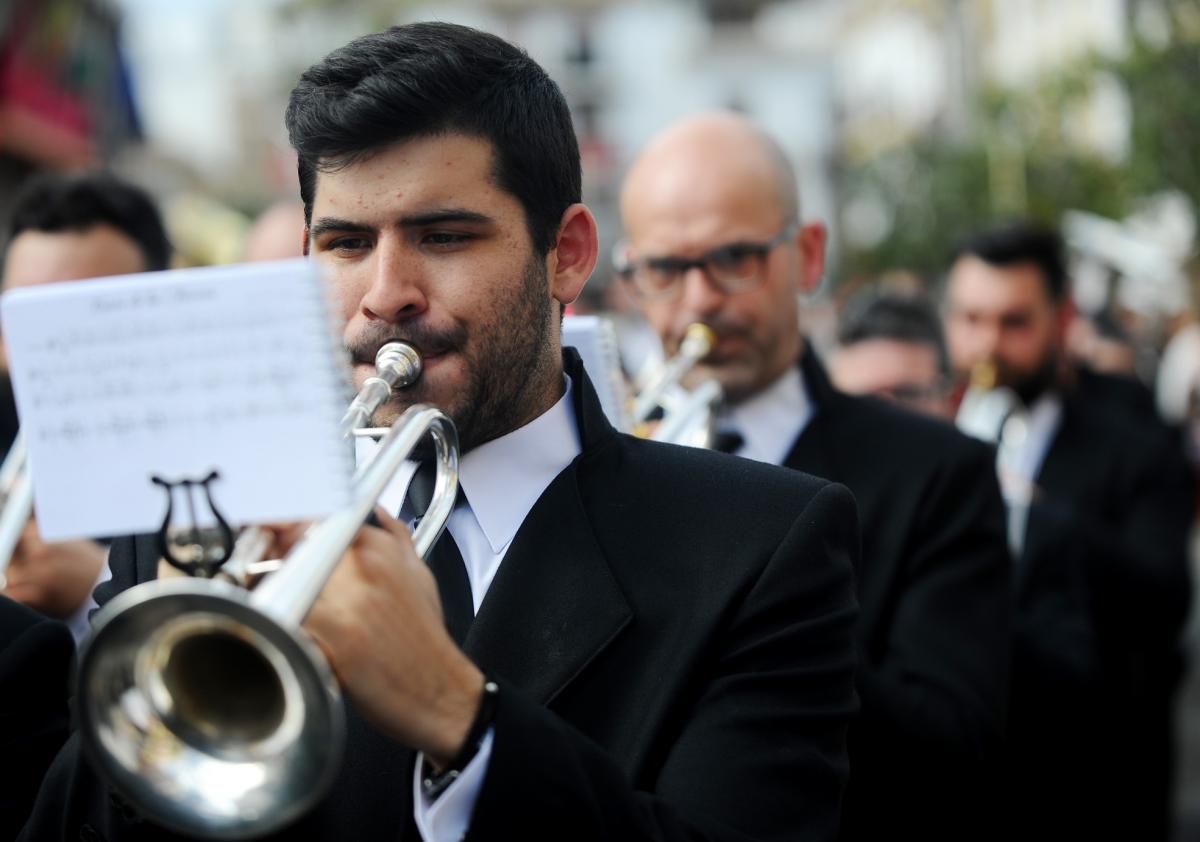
{"type": "Point", "coordinates": [236, 369]}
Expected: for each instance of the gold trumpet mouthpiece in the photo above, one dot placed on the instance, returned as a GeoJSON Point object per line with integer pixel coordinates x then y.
{"type": "Point", "coordinates": [983, 376]}
{"type": "Point", "coordinates": [700, 338]}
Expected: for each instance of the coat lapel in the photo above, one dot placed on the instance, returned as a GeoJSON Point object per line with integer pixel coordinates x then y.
{"type": "Point", "coordinates": [554, 605]}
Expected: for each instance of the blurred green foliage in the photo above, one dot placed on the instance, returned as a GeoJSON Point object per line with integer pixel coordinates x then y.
{"type": "Point", "coordinates": [1020, 157]}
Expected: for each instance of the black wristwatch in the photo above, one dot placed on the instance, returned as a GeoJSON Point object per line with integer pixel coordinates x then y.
{"type": "Point", "coordinates": [434, 785]}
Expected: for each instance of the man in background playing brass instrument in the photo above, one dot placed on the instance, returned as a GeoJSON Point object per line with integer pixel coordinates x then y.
{"type": "Point", "coordinates": [62, 228]}
{"type": "Point", "coordinates": [69, 228]}
{"type": "Point", "coordinates": [715, 236]}
{"type": "Point", "coordinates": [657, 641]}
{"type": "Point", "coordinates": [1102, 565]}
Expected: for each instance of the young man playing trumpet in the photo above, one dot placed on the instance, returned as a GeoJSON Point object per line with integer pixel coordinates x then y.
{"type": "Point", "coordinates": [658, 640]}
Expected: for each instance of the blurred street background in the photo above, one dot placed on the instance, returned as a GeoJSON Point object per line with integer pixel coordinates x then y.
{"type": "Point", "coordinates": [910, 123]}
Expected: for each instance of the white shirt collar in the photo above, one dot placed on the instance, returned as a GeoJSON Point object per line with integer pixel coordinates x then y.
{"type": "Point", "coordinates": [503, 478]}
{"type": "Point", "coordinates": [771, 421]}
{"type": "Point", "coordinates": [1025, 452]}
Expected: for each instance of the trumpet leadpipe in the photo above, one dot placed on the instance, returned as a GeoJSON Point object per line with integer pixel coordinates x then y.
{"type": "Point", "coordinates": [16, 503]}
{"type": "Point", "coordinates": [697, 342]}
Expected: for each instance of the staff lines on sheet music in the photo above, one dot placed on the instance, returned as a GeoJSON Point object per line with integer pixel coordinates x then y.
{"type": "Point", "coordinates": [130, 425]}
{"type": "Point", "coordinates": [183, 355]}
{"type": "Point", "coordinates": [154, 332]}
{"type": "Point", "coordinates": [273, 382]}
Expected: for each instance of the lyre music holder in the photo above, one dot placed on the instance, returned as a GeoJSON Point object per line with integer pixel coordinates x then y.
{"type": "Point", "coordinates": [191, 548]}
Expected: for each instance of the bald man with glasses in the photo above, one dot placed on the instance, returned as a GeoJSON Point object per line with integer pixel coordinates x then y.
{"type": "Point", "coordinates": [714, 236]}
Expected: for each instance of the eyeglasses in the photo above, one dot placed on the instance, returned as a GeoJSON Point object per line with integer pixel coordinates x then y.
{"type": "Point", "coordinates": [731, 268]}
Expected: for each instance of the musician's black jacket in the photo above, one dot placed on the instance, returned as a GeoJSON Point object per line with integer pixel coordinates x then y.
{"type": "Point", "coordinates": [35, 659]}
{"type": "Point", "coordinates": [934, 634]}
{"type": "Point", "coordinates": [672, 630]}
{"type": "Point", "coordinates": [1111, 525]}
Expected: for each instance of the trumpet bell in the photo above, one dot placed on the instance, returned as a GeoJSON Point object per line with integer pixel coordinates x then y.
{"type": "Point", "coordinates": [212, 717]}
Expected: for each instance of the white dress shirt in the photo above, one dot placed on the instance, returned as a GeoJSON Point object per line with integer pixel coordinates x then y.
{"type": "Point", "coordinates": [80, 622]}
{"type": "Point", "coordinates": [771, 421]}
{"type": "Point", "coordinates": [1025, 439]}
{"type": "Point", "coordinates": [501, 481]}
{"type": "Point", "coordinates": [1024, 444]}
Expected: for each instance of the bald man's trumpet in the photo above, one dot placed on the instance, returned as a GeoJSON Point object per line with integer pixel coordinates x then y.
{"type": "Point", "coordinates": [687, 416]}
{"type": "Point", "coordinates": [697, 342]}
{"type": "Point", "coordinates": [205, 704]}
{"type": "Point", "coordinates": [16, 502]}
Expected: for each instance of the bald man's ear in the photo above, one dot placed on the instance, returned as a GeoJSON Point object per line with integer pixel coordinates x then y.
{"type": "Point", "coordinates": [810, 242]}
{"type": "Point", "coordinates": [571, 261]}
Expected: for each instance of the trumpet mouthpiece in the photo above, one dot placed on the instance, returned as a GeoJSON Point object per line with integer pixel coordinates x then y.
{"type": "Point", "coordinates": [983, 376]}
{"type": "Point", "coordinates": [697, 340]}
{"type": "Point", "coordinates": [399, 364]}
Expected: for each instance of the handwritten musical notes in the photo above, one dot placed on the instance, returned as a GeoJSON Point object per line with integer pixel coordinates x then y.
{"type": "Point", "coordinates": [176, 374]}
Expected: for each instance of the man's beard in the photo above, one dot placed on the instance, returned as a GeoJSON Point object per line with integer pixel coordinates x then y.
{"type": "Point", "coordinates": [1032, 385]}
{"type": "Point", "coordinates": [507, 365]}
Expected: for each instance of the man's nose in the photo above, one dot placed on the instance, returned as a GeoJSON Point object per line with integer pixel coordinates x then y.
{"type": "Point", "coordinates": [395, 292]}
{"type": "Point", "coordinates": [701, 297]}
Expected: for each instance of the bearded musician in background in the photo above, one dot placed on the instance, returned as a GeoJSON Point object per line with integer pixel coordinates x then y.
{"type": "Point", "coordinates": [1102, 570]}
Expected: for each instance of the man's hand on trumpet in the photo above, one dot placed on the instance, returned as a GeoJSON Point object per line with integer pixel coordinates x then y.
{"type": "Point", "coordinates": [379, 622]}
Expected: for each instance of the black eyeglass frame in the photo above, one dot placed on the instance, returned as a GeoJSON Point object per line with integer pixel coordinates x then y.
{"type": "Point", "coordinates": [678, 267]}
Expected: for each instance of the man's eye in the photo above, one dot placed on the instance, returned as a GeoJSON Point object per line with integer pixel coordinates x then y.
{"type": "Point", "coordinates": [445, 238]}
{"type": "Point", "coordinates": [667, 265]}
{"type": "Point", "coordinates": [348, 244]}
{"type": "Point", "coordinates": [731, 256]}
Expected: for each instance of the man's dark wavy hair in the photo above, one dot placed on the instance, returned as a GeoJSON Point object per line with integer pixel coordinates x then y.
{"type": "Point", "coordinates": [1021, 242]}
{"type": "Point", "coordinates": [426, 79]}
{"type": "Point", "coordinates": [54, 203]}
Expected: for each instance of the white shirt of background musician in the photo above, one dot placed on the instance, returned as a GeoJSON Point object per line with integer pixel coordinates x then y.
{"type": "Point", "coordinates": [501, 481]}
{"type": "Point", "coordinates": [771, 421]}
{"type": "Point", "coordinates": [1022, 450]}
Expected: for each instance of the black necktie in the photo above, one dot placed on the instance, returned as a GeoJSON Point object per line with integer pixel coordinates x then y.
{"type": "Point", "coordinates": [444, 560]}
{"type": "Point", "coordinates": [728, 441]}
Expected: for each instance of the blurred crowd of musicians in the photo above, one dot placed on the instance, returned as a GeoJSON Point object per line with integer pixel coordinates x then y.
{"type": "Point", "coordinates": [857, 622]}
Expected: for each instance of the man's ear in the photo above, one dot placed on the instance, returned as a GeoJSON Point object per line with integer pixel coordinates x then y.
{"type": "Point", "coordinates": [304, 241]}
{"type": "Point", "coordinates": [810, 242]}
{"type": "Point", "coordinates": [571, 261]}
{"type": "Point", "coordinates": [1064, 316]}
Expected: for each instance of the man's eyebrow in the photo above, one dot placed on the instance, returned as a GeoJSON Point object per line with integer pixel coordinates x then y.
{"type": "Point", "coordinates": [434, 217]}
{"type": "Point", "coordinates": [330, 223]}
{"type": "Point", "coordinates": [413, 220]}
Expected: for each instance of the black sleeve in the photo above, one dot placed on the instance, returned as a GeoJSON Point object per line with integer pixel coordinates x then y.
{"type": "Point", "coordinates": [35, 664]}
{"type": "Point", "coordinates": [941, 683]}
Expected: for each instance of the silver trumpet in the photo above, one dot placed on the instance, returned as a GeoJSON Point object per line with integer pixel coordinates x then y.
{"type": "Point", "coordinates": [687, 415]}
{"type": "Point", "coordinates": [397, 365]}
{"type": "Point", "coordinates": [16, 502]}
{"type": "Point", "coordinates": [697, 342]}
{"type": "Point", "coordinates": [206, 705]}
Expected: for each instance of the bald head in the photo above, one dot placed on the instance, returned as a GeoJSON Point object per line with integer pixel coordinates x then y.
{"type": "Point", "coordinates": [706, 153]}
{"type": "Point", "coordinates": [715, 191]}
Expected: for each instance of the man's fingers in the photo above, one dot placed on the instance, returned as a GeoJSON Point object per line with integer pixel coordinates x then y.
{"type": "Point", "coordinates": [391, 524]}
{"type": "Point", "coordinates": [30, 542]}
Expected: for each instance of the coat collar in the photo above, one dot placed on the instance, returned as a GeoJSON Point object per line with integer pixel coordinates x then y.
{"type": "Point", "coordinates": [814, 451]}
